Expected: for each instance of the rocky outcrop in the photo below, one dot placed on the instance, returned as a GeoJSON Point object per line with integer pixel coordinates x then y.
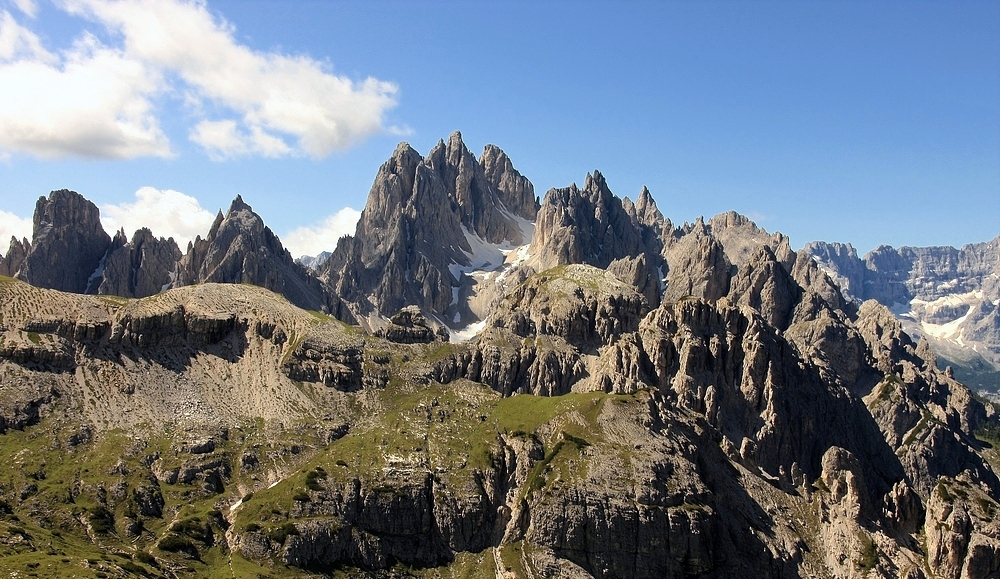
{"type": "Point", "coordinates": [942, 294]}
{"type": "Point", "coordinates": [422, 226]}
{"type": "Point", "coordinates": [409, 326]}
{"type": "Point", "coordinates": [139, 268]}
{"type": "Point", "coordinates": [513, 189]}
{"type": "Point", "coordinates": [592, 226]}
{"type": "Point", "coordinates": [963, 534]}
{"type": "Point", "coordinates": [68, 243]}
{"type": "Point", "coordinates": [698, 268]}
{"type": "Point", "coordinates": [239, 248]}
{"type": "Point", "coordinates": [658, 401]}
{"type": "Point", "coordinates": [12, 260]}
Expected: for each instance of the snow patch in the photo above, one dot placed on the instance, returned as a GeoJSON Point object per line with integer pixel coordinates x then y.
{"type": "Point", "coordinates": [468, 332]}
{"type": "Point", "coordinates": [951, 331]}
{"type": "Point", "coordinates": [98, 274]}
{"type": "Point", "coordinates": [173, 279]}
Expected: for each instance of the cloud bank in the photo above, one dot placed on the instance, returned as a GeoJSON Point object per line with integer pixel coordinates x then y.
{"type": "Point", "coordinates": [99, 101]}
{"type": "Point", "coordinates": [166, 213]}
{"type": "Point", "coordinates": [313, 240]}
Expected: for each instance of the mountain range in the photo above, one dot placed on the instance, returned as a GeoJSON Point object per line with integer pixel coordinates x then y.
{"type": "Point", "coordinates": [480, 382]}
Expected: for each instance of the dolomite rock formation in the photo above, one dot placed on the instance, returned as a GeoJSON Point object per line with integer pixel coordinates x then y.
{"type": "Point", "coordinates": [421, 221]}
{"type": "Point", "coordinates": [12, 260]}
{"type": "Point", "coordinates": [67, 243]}
{"type": "Point", "coordinates": [139, 268]}
{"type": "Point", "coordinates": [592, 226]}
{"type": "Point", "coordinates": [643, 400]}
{"type": "Point", "coordinates": [942, 294]}
{"type": "Point", "coordinates": [239, 248]}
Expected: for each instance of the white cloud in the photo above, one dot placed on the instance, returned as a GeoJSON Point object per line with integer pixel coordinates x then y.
{"type": "Point", "coordinates": [313, 240]}
{"type": "Point", "coordinates": [223, 139]}
{"type": "Point", "coordinates": [93, 101]}
{"type": "Point", "coordinates": [29, 7]}
{"type": "Point", "coordinates": [272, 104]}
{"type": "Point", "coordinates": [12, 226]}
{"type": "Point", "coordinates": [166, 213]}
{"type": "Point", "coordinates": [17, 41]}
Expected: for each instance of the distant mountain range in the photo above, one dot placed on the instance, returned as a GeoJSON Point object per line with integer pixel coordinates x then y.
{"type": "Point", "coordinates": [948, 296]}
{"type": "Point", "coordinates": [451, 234]}
{"type": "Point", "coordinates": [479, 383]}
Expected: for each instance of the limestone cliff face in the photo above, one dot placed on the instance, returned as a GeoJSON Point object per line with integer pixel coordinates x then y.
{"type": "Point", "coordinates": [67, 245]}
{"type": "Point", "coordinates": [643, 400]}
{"type": "Point", "coordinates": [593, 226]}
{"type": "Point", "coordinates": [14, 257]}
{"type": "Point", "coordinates": [239, 248]}
{"type": "Point", "coordinates": [142, 267]}
{"type": "Point", "coordinates": [422, 219]}
{"type": "Point", "coordinates": [942, 294]}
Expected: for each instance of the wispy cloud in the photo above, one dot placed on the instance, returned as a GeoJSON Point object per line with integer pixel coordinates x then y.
{"type": "Point", "coordinates": [315, 239]}
{"type": "Point", "coordinates": [29, 7]}
{"type": "Point", "coordinates": [261, 103]}
{"type": "Point", "coordinates": [166, 213]}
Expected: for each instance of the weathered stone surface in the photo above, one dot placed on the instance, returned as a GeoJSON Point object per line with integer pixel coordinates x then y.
{"type": "Point", "coordinates": [699, 268]}
{"type": "Point", "coordinates": [14, 257]}
{"type": "Point", "coordinates": [67, 244]}
{"type": "Point", "coordinates": [423, 216]}
{"type": "Point", "coordinates": [934, 286]}
{"type": "Point", "coordinates": [513, 189]}
{"type": "Point", "coordinates": [143, 267]}
{"type": "Point", "coordinates": [239, 248]}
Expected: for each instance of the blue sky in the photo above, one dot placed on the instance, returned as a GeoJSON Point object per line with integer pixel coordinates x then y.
{"type": "Point", "coordinates": [862, 122]}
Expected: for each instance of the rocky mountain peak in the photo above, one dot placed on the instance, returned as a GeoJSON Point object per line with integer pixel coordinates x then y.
{"type": "Point", "coordinates": [142, 267]}
{"type": "Point", "coordinates": [12, 260]}
{"type": "Point", "coordinates": [427, 220]}
{"type": "Point", "coordinates": [515, 191]}
{"type": "Point", "coordinates": [645, 210]}
{"type": "Point", "coordinates": [238, 205]}
{"type": "Point", "coordinates": [241, 249]}
{"type": "Point", "coordinates": [68, 242]}
{"type": "Point", "coordinates": [589, 225]}
{"type": "Point", "coordinates": [942, 294]}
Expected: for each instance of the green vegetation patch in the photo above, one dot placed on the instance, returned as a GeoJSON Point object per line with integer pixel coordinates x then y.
{"type": "Point", "coordinates": [869, 554]}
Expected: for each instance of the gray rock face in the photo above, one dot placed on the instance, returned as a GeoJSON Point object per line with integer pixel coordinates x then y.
{"type": "Point", "coordinates": [943, 294]}
{"type": "Point", "coordinates": [699, 268]}
{"type": "Point", "coordinates": [962, 532]}
{"type": "Point", "coordinates": [142, 267]}
{"type": "Point", "coordinates": [420, 217]}
{"type": "Point", "coordinates": [514, 190]}
{"type": "Point", "coordinates": [67, 245]}
{"type": "Point", "coordinates": [12, 260]}
{"type": "Point", "coordinates": [592, 226]}
{"type": "Point", "coordinates": [313, 262]}
{"type": "Point", "coordinates": [409, 326]}
{"type": "Point", "coordinates": [239, 248]}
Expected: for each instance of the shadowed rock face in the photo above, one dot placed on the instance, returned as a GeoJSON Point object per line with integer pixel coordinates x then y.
{"type": "Point", "coordinates": [12, 260]}
{"type": "Point", "coordinates": [592, 226]}
{"type": "Point", "coordinates": [68, 243]}
{"type": "Point", "coordinates": [657, 401]}
{"type": "Point", "coordinates": [239, 248]}
{"type": "Point", "coordinates": [420, 217]}
{"type": "Point", "coordinates": [142, 267]}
